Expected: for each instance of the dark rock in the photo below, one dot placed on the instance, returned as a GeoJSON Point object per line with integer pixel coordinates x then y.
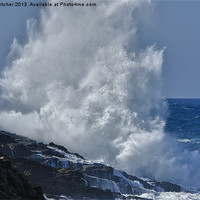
{"type": "Point", "coordinates": [64, 149]}
{"type": "Point", "coordinates": [5, 138]}
{"type": "Point", "coordinates": [50, 152]}
{"type": "Point", "coordinates": [76, 154]}
{"type": "Point", "coordinates": [169, 187]}
{"type": "Point", "coordinates": [136, 198]}
{"type": "Point", "coordinates": [38, 189]}
{"type": "Point", "coordinates": [6, 150]}
{"type": "Point", "coordinates": [144, 183]}
{"type": "Point", "coordinates": [14, 186]}
{"type": "Point", "coordinates": [99, 171]}
{"type": "Point", "coordinates": [5, 163]}
{"type": "Point", "coordinates": [24, 159]}
{"type": "Point", "coordinates": [20, 150]}
{"type": "Point", "coordinates": [66, 181]}
{"type": "Point", "coordinates": [58, 147]}
{"type": "Point", "coordinates": [39, 146]}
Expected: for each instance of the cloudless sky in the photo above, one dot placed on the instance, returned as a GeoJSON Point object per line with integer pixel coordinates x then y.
{"type": "Point", "coordinates": [13, 24]}
{"type": "Point", "coordinates": [175, 25]}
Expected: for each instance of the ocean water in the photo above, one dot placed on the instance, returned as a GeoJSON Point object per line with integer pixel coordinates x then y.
{"type": "Point", "coordinates": [183, 122]}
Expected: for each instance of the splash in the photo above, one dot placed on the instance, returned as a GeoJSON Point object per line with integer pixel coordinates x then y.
{"type": "Point", "coordinates": [82, 81]}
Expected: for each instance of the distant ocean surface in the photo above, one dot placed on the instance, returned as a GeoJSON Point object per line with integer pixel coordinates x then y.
{"type": "Point", "coordinates": [183, 122]}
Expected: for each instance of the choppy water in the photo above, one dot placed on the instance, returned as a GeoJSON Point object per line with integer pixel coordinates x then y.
{"type": "Point", "coordinates": [184, 122]}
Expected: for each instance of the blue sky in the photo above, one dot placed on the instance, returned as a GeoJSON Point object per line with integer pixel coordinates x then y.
{"type": "Point", "coordinates": [175, 25]}
{"type": "Point", "coordinates": [13, 25]}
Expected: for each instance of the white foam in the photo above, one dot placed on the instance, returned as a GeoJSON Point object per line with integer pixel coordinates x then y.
{"type": "Point", "coordinates": [171, 196]}
{"type": "Point", "coordinates": [184, 140]}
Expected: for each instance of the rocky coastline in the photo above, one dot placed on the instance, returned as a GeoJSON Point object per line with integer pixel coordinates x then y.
{"type": "Point", "coordinates": [32, 170]}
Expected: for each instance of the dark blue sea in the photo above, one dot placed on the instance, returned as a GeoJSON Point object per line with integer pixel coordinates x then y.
{"type": "Point", "coordinates": [183, 122]}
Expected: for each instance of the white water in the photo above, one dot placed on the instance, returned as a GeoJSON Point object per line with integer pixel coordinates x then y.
{"type": "Point", "coordinates": [171, 196]}
{"type": "Point", "coordinates": [82, 81]}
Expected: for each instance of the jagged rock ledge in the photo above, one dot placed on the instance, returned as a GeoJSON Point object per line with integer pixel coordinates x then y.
{"type": "Point", "coordinates": [58, 172]}
{"type": "Point", "coordinates": [13, 185]}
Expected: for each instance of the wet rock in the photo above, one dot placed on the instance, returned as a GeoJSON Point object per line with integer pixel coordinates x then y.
{"type": "Point", "coordinates": [5, 138]}
{"type": "Point", "coordinates": [57, 172]}
{"type": "Point", "coordinates": [50, 152]}
{"type": "Point", "coordinates": [6, 150]}
{"type": "Point", "coordinates": [58, 147]}
{"type": "Point", "coordinates": [13, 185]}
{"type": "Point", "coordinates": [78, 155]}
{"type": "Point", "coordinates": [169, 187]}
{"type": "Point", "coordinates": [64, 149]}
{"type": "Point", "coordinates": [20, 150]}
